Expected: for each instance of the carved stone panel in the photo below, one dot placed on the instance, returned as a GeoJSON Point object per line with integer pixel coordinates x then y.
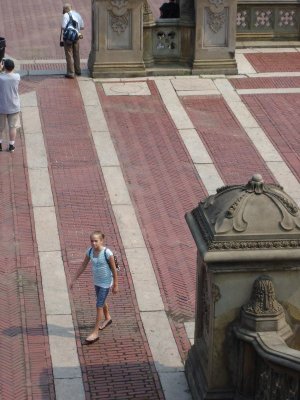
{"type": "Point", "coordinates": [119, 31]}
{"type": "Point", "coordinates": [272, 384]}
{"type": "Point", "coordinates": [166, 42]}
{"type": "Point", "coordinates": [216, 28]}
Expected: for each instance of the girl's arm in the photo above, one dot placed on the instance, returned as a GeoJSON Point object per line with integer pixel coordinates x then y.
{"type": "Point", "coordinates": [80, 270]}
{"type": "Point", "coordinates": [113, 268]}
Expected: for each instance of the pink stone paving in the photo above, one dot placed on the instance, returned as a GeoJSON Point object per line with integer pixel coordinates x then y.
{"type": "Point", "coordinates": [25, 368]}
{"type": "Point", "coordinates": [232, 152]}
{"type": "Point", "coordinates": [266, 83]}
{"type": "Point", "coordinates": [164, 185]}
{"type": "Point", "coordinates": [275, 62]}
{"type": "Point", "coordinates": [32, 28]}
{"type": "Point", "coordinates": [119, 365]}
{"type": "Point", "coordinates": [279, 116]}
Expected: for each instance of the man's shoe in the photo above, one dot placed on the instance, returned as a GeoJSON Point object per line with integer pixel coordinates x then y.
{"type": "Point", "coordinates": [0, 146]}
{"type": "Point", "coordinates": [69, 76]}
{"type": "Point", "coordinates": [11, 148]}
{"type": "Point", "coordinates": [78, 73]}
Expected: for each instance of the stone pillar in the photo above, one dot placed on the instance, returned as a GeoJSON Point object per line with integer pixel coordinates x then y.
{"type": "Point", "coordinates": [242, 233]}
{"type": "Point", "coordinates": [215, 37]}
{"type": "Point", "coordinates": [117, 38]}
{"type": "Point", "coordinates": [148, 24]}
{"type": "Point", "coordinates": [187, 28]}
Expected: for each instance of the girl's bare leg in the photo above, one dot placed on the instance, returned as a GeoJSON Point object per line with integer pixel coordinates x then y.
{"type": "Point", "coordinates": [107, 316]}
{"type": "Point", "coordinates": [95, 331]}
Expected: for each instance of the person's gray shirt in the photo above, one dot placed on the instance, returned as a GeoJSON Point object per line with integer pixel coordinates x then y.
{"type": "Point", "coordinates": [9, 96]}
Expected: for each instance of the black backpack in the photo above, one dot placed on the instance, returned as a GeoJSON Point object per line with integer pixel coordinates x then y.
{"type": "Point", "coordinates": [71, 33]}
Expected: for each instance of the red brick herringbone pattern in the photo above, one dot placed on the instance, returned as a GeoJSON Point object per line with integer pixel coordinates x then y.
{"type": "Point", "coordinates": [32, 28]}
{"type": "Point", "coordinates": [274, 62]}
{"type": "Point", "coordinates": [164, 186]}
{"type": "Point", "coordinates": [279, 116]}
{"type": "Point", "coordinates": [119, 366]}
{"type": "Point", "coordinates": [262, 83]}
{"type": "Point", "coordinates": [25, 368]}
{"type": "Point", "coordinates": [232, 151]}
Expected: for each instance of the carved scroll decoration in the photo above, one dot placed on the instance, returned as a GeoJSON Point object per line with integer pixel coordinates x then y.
{"type": "Point", "coordinates": [119, 15]}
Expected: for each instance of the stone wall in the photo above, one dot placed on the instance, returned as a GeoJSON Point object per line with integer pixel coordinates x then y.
{"type": "Point", "coordinates": [264, 20]}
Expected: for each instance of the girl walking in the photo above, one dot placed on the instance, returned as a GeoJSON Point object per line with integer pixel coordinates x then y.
{"type": "Point", "coordinates": [104, 275]}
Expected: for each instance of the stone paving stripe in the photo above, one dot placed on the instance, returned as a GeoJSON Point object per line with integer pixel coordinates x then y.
{"type": "Point", "coordinates": [263, 144]}
{"type": "Point", "coordinates": [129, 228]}
{"type": "Point", "coordinates": [45, 225]}
{"type": "Point", "coordinates": [280, 170]}
{"type": "Point", "coordinates": [195, 146]}
{"type": "Point", "coordinates": [193, 84]}
{"type": "Point", "coordinates": [35, 149]}
{"type": "Point", "coordinates": [275, 74]}
{"type": "Point", "coordinates": [268, 91]}
{"type": "Point", "coordinates": [286, 179]}
{"type": "Point", "coordinates": [132, 239]}
{"type": "Point", "coordinates": [63, 347]}
{"type": "Point", "coordinates": [148, 293]}
{"type": "Point", "coordinates": [198, 93]}
{"type": "Point", "coordinates": [208, 173]}
{"type": "Point", "coordinates": [116, 186]}
{"type": "Point", "coordinates": [54, 283]}
{"type": "Point", "coordinates": [174, 107]}
{"type": "Point", "coordinates": [210, 177]}
{"type": "Point", "coordinates": [161, 341]}
{"type": "Point", "coordinates": [126, 89]}
{"type": "Point", "coordinates": [41, 194]}
{"type": "Point", "coordinates": [69, 389]}
{"type": "Point", "coordinates": [244, 66]}
{"type": "Point", "coordinates": [174, 386]}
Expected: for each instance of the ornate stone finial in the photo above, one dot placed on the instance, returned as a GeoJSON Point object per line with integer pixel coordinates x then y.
{"type": "Point", "coordinates": [263, 300]}
{"type": "Point", "coordinates": [232, 205]}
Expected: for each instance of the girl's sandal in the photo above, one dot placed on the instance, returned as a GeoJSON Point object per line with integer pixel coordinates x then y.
{"type": "Point", "coordinates": [91, 341]}
{"type": "Point", "coordinates": [106, 325]}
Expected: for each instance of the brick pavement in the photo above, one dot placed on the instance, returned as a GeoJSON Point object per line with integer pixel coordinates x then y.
{"type": "Point", "coordinates": [164, 185]}
{"type": "Point", "coordinates": [279, 116]}
{"type": "Point", "coordinates": [119, 366]}
{"type": "Point", "coordinates": [233, 153]}
{"type": "Point", "coordinates": [261, 83]}
{"type": "Point", "coordinates": [32, 28]}
{"type": "Point", "coordinates": [275, 62]}
{"type": "Point", "coordinates": [25, 369]}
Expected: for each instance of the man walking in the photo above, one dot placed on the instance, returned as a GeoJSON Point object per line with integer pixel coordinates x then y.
{"type": "Point", "coordinates": [169, 10]}
{"type": "Point", "coordinates": [71, 17]}
{"type": "Point", "coordinates": [9, 102]}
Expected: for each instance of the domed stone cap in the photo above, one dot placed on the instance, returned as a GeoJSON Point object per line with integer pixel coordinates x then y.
{"type": "Point", "coordinates": [252, 216]}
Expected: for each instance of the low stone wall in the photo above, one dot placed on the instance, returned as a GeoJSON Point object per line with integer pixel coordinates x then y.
{"type": "Point", "coordinates": [265, 20]}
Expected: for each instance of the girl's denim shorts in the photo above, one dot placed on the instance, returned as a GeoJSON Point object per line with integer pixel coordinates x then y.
{"type": "Point", "coordinates": [101, 294]}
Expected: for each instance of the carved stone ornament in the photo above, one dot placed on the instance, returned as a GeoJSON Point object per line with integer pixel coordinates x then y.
{"type": "Point", "coordinates": [119, 24]}
{"type": "Point", "coordinates": [119, 15]}
{"type": "Point", "coordinates": [263, 300]}
{"type": "Point", "coordinates": [216, 20]}
{"type": "Point", "coordinates": [119, 7]}
{"type": "Point", "coordinates": [216, 6]}
{"type": "Point", "coordinates": [247, 211]}
{"type": "Point", "coordinates": [274, 384]}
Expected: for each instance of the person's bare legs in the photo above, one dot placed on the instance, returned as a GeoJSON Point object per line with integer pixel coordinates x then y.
{"type": "Point", "coordinates": [12, 134]}
{"type": "Point", "coordinates": [107, 316]}
{"type": "Point", "coordinates": [95, 332]}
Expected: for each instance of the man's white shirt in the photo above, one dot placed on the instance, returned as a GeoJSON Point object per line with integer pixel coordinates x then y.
{"type": "Point", "coordinates": [76, 16]}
